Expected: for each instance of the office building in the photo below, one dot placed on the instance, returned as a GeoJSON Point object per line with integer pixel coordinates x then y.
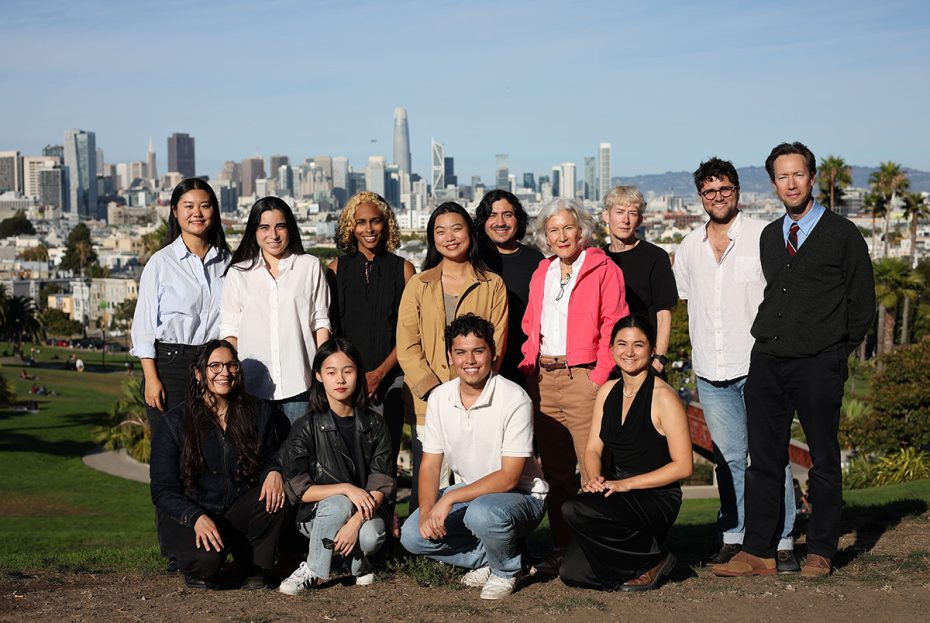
{"type": "Point", "coordinates": [285, 185]}
{"type": "Point", "coordinates": [603, 170]}
{"type": "Point", "coordinates": [230, 172]}
{"type": "Point", "coordinates": [54, 151]}
{"type": "Point", "coordinates": [277, 162]}
{"type": "Point", "coordinates": [438, 177]}
{"type": "Point", "coordinates": [151, 168]}
{"type": "Point", "coordinates": [81, 159]}
{"type": "Point", "coordinates": [528, 182]}
{"type": "Point", "coordinates": [340, 180]}
{"type": "Point", "coordinates": [449, 177]}
{"type": "Point", "coordinates": [11, 171]}
{"type": "Point", "coordinates": [503, 171]}
{"type": "Point", "coordinates": [250, 170]}
{"type": "Point", "coordinates": [181, 154]}
{"type": "Point", "coordinates": [374, 175]}
{"type": "Point", "coordinates": [31, 167]}
{"type": "Point", "coordinates": [401, 140]}
{"type": "Point", "coordinates": [590, 178]}
{"type": "Point", "coordinates": [53, 187]}
{"type": "Point", "coordinates": [555, 184]}
{"type": "Point", "coordinates": [567, 180]}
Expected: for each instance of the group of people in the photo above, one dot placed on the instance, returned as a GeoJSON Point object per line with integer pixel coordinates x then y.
{"type": "Point", "coordinates": [277, 388]}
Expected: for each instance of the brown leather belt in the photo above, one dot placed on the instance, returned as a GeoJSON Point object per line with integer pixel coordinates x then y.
{"type": "Point", "coordinates": [551, 364]}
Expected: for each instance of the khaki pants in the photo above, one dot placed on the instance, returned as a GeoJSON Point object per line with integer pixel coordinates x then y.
{"type": "Point", "coordinates": [564, 403]}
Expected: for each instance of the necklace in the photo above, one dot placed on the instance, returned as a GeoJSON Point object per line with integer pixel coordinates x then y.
{"type": "Point", "coordinates": [626, 394]}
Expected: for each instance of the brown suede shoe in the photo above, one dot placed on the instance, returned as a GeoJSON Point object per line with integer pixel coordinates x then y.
{"type": "Point", "coordinates": [745, 564]}
{"type": "Point", "coordinates": [652, 578]}
{"type": "Point", "coordinates": [815, 566]}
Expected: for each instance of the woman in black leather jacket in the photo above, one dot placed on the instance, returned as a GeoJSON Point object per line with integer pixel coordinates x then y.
{"type": "Point", "coordinates": [215, 475]}
{"type": "Point", "coordinates": [337, 462]}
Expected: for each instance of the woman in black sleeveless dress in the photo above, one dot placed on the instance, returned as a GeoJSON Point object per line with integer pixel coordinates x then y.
{"type": "Point", "coordinates": [638, 450]}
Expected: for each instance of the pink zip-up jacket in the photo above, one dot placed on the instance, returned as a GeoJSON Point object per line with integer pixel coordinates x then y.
{"type": "Point", "coordinates": [597, 301]}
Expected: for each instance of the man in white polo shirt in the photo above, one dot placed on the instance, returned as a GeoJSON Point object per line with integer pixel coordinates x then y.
{"type": "Point", "coordinates": [482, 424]}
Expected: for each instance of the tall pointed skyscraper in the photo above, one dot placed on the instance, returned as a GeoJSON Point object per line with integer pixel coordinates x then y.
{"type": "Point", "coordinates": [151, 168]}
{"type": "Point", "coordinates": [401, 140]}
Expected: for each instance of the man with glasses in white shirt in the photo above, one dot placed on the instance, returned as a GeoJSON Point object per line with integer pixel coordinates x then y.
{"type": "Point", "coordinates": [718, 271]}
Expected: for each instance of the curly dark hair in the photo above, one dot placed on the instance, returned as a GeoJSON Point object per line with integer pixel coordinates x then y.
{"type": "Point", "coordinates": [715, 168]}
{"type": "Point", "coordinates": [483, 211]}
{"type": "Point", "coordinates": [200, 417]}
{"type": "Point", "coordinates": [471, 324]}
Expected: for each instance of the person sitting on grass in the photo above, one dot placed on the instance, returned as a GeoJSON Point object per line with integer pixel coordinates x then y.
{"type": "Point", "coordinates": [338, 464]}
{"type": "Point", "coordinates": [482, 424]}
{"type": "Point", "coordinates": [215, 476]}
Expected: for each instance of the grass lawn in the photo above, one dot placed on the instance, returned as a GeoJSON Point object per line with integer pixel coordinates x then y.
{"type": "Point", "coordinates": [56, 512]}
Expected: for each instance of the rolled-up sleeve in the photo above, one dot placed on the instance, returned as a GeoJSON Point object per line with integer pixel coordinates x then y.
{"type": "Point", "coordinates": [231, 305]}
{"type": "Point", "coordinates": [319, 315]}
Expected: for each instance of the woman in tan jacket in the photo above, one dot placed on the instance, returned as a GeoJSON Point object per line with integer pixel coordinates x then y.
{"type": "Point", "coordinates": [454, 281]}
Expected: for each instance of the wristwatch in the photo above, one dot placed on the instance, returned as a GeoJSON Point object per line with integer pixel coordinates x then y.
{"type": "Point", "coordinates": [661, 359]}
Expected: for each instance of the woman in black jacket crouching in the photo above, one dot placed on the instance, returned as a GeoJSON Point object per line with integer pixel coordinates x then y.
{"type": "Point", "coordinates": [337, 461]}
{"type": "Point", "coordinates": [215, 474]}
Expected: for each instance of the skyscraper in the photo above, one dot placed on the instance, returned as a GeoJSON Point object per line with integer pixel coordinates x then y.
{"type": "Point", "coordinates": [31, 167]}
{"type": "Point", "coordinates": [401, 140]}
{"type": "Point", "coordinates": [53, 187]}
{"type": "Point", "coordinates": [603, 170]}
{"type": "Point", "coordinates": [556, 181]}
{"type": "Point", "coordinates": [503, 172]}
{"type": "Point", "coordinates": [276, 162]}
{"type": "Point", "coordinates": [528, 182]}
{"type": "Point", "coordinates": [150, 166]}
{"type": "Point", "coordinates": [374, 175]}
{"type": "Point", "coordinates": [54, 151]}
{"type": "Point", "coordinates": [81, 160]}
{"type": "Point", "coordinates": [11, 171]}
{"type": "Point", "coordinates": [438, 177]}
{"type": "Point", "coordinates": [567, 180]}
{"type": "Point", "coordinates": [285, 185]}
{"type": "Point", "coordinates": [340, 179]}
{"type": "Point", "coordinates": [590, 177]}
{"type": "Point", "coordinates": [250, 170]}
{"type": "Point", "coordinates": [181, 154]}
{"type": "Point", "coordinates": [450, 178]}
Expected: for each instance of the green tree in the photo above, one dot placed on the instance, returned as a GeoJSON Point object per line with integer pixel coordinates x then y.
{"type": "Point", "coordinates": [899, 416]}
{"type": "Point", "coordinates": [125, 312]}
{"type": "Point", "coordinates": [79, 250]}
{"type": "Point", "coordinates": [58, 324]}
{"type": "Point", "coordinates": [16, 225]}
{"type": "Point", "coordinates": [22, 320]}
{"type": "Point", "coordinates": [152, 241]}
{"type": "Point", "coordinates": [35, 254]}
{"type": "Point", "coordinates": [833, 177]}
{"type": "Point", "coordinates": [893, 281]}
{"type": "Point", "coordinates": [890, 180]}
{"type": "Point", "coordinates": [915, 208]}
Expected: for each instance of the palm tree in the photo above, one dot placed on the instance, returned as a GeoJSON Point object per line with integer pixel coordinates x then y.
{"type": "Point", "coordinates": [835, 175]}
{"type": "Point", "coordinates": [888, 181]}
{"type": "Point", "coordinates": [83, 250]}
{"type": "Point", "coordinates": [893, 280]}
{"type": "Point", "coordinates": [915, 208]}
{"type": "Point", "coordinates": [875, 204]}
{"type": "Point", "coordinates": [22, 320]}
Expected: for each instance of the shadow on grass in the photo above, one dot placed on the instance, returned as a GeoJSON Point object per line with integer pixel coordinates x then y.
{"type": "Point", "coordinates": [13, 441]}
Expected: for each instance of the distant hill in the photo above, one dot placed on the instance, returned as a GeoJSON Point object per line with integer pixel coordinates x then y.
{"type": "Point", "coordinates": [752, 179]}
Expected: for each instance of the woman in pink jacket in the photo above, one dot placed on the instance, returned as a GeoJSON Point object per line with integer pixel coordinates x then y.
{"type": "Point", "coordinates": [576, 297]}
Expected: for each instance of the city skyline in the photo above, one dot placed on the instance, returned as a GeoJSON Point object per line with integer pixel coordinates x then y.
{"type": "Point", "coordinates": [667, 86]}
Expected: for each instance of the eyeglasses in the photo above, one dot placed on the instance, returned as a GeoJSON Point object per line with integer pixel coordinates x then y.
{"type": "Point", "coordinates": [217, 366]}
{"type": "Point", "coordinates": [562, 284]}
{"type": "Point", "coordinates": [725, 192]}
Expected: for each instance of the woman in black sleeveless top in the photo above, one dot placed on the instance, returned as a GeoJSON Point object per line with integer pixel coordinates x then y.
{"type": "Point", "coordinates": [638, 450]}
{"type": "Point", "coordinates": [367, 283]}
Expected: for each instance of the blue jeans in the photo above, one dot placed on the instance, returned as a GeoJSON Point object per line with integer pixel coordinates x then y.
{"type": "Point", "coordinates": [725, 413]}
{"type": "Point", "coordinates": [293, 408]}
{"type": "Point", "coordinates": [332, 513]}
{"type": "Point", "coordinates": [483, 532]}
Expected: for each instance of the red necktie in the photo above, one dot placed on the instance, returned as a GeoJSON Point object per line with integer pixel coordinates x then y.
{"type": "Point", "coordinates": [793, 239]}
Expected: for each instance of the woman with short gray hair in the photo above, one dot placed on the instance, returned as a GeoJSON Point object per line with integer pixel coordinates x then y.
{"type": "Point", "coordinates": [576, 297]}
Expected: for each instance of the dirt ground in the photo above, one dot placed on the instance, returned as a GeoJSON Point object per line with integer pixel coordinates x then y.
{"type": "Point", "coordinates": [884, 575]}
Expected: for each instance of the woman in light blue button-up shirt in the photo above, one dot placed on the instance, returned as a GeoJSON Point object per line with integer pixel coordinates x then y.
{"type": "Point", "coordinates": [179, 296]}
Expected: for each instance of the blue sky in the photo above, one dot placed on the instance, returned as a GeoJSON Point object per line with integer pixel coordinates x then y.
{"type": "Point", "coordinates": [668, 83]}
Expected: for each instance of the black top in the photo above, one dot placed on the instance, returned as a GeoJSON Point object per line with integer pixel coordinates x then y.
{"type": "Point", "coordinates": [647, 274]}
{"type": "Point", "coordinates": [365, 312]}
{"type": "Point", "coordinates": [346, 428]}
{"type": "Point", "coordinates": [635, 446]}
{"type": "Point", "coordinates": [822, 298]}
{"type": "Point", "coordinates": [515, 269]}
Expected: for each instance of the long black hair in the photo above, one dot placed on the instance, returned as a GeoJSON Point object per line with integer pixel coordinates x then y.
{"type": "Point", "coordinates": [635, 321]}
{"type": "Point", "coordinates": [248, 250]}
{"type": "Point", "coordinates": [199, 417]}
{"type": "Point", "coordinates": [434, 257]}
{"type": "Point", "coordinates": [215, 236]}
{"type": "Point", "coordinates": [319, 403]}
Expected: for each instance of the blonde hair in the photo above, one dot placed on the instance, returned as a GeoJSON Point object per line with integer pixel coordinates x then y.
{"type": "Point", "coordinates": [627, 196]}
{"type": "Point", "coordinates": [345, 228]}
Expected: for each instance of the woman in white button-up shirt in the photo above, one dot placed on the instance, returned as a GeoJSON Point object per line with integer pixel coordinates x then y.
{"type": "Point", "coordinates": [275, 308]}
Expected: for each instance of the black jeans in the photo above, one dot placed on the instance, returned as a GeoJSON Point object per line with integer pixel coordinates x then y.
{"type": "Point", "coordinates": [776, 388]}
{"type": "Point", "coordinates": [173, 364]}
{"type": "Point", "coordinates": [249, 533]}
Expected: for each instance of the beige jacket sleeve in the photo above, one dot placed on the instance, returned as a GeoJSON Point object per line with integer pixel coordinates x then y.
{"type": "Point", "coordinates": [410, 353]}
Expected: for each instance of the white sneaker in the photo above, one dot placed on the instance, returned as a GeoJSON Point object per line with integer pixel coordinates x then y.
{"type": "Point", "coordinates": [365, 580]}
{"type": "Point", "coordinates": [476, 578]}
{"type": "Point", "coordinates": [498, 587]}
{"type": "Point", "coordinates": [300, 580]}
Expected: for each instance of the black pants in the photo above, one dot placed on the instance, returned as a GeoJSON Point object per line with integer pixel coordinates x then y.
{"type": "Point", "coordinates": [173, 363]}
{"type": "Point", "coordinates": [616, 538]}
{"type": "Point", "coordinates": [249, 533]}
{"type": "Point", "coordinates": [776, 388]}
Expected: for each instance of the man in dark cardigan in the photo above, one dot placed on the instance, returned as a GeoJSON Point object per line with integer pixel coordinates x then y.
{"type": "Point", "coordinates": [818, 303]}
